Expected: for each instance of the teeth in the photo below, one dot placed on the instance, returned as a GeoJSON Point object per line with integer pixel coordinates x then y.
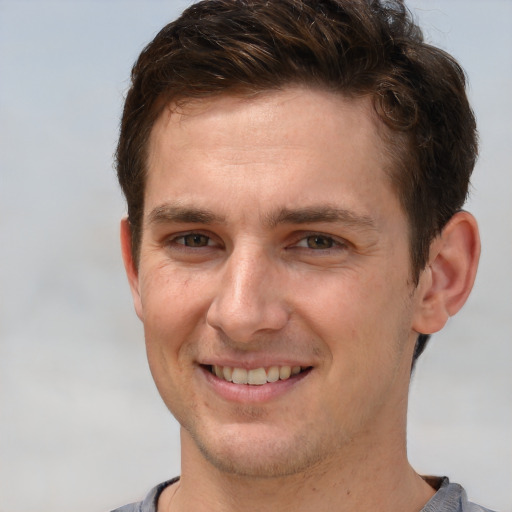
{"type": "Point", "coordinates": [256, 377]}
{"type": "Point", "coordinates": [295, 370]}
{"type": "Point", "coordinates": [285, 372]}
{"type": "Point", "coordinates": [239, 376]}
{"type": "Point", "coordinates": [227, 373]}
{"type": "Point", "coordinates": [273, 374]}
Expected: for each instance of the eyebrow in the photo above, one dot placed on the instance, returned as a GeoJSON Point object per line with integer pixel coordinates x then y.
{"type": "Point", "coordinates": [169, 213]}
{"type": "Point", "coordinates": [322, 213]}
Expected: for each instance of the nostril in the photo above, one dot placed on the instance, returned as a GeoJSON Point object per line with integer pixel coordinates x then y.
{"type": "Point", "coordinates": [241, 322]}
{"type": "Point", "coordinates": [247, 299]}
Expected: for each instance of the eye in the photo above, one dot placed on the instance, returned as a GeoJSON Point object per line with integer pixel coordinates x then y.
{"type": "Point", "coordinates": [193, 240]}
{"type": "Point", "coordinates": [318, 242]}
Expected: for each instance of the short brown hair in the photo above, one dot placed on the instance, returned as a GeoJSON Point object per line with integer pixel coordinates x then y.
{"type": "Point", "coordinates": [353, 47]}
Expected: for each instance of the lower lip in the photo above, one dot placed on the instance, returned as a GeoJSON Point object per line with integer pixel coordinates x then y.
{"type": "Point", "coordinates": [244, 393]}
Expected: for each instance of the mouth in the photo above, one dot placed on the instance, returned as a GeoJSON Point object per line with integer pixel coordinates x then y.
{"type": "Point", "coordinates": [257, 376]}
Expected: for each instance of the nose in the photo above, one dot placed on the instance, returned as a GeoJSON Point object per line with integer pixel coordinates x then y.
{"type": "Point", "coordinates": [249, 298]}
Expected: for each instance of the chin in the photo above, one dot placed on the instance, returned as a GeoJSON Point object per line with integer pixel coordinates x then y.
{"type": "Point", "coordinates": [262, 455]}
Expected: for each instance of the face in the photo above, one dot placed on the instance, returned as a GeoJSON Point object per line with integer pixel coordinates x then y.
{"type": "Point", "coordinates": [274, 281]}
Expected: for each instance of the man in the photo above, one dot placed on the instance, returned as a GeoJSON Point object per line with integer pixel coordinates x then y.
{"type": "Point", "coordinates": [295, 173]}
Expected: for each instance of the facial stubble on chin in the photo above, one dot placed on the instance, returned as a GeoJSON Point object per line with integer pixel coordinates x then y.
{"type": "Point", "coordinates": [303, 454]}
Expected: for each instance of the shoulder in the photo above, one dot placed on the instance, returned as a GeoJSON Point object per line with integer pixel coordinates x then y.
{"type": "Point", "coordinates": [132, 507]}
{"type": "Point", "coordinates": [451, 497]}
{"type": "Point", "coordinates": [150, 502]}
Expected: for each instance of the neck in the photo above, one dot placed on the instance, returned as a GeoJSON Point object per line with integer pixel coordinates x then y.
{"type": "Point", "coordinates": [380, 479]}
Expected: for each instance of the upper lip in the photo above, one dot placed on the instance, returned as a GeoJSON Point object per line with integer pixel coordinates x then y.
{"type": "Point", "coordinates": [253, 363]}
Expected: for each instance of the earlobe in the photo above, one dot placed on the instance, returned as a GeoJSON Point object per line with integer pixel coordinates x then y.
{"type": "Point", "coordinates": [129, 264]}
{"type": "Point", "coordinates": [447, 280]}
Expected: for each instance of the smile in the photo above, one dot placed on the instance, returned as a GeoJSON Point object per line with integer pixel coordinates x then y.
{"type": "Point", "coordinates": [258, 376]}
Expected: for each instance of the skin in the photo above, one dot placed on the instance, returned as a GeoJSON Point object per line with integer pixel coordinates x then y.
{"type": "Point", "coordinates": [272, 235]}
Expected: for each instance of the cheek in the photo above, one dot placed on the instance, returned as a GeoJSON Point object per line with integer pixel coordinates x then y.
{"type": "Point", "coordinates": [344, 301]}
{"type": "Point", "coordinates": [172, 299]}
{"type": "Point", "coordinates": [361, 320]}
{"type": "Point", "coordinates": [174, 306]}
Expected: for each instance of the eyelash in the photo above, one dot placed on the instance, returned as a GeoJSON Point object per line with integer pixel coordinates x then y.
{"type": "Point", "coordinates": [173, 241]}
{"type": "Point", "coordinates": [334, 243]}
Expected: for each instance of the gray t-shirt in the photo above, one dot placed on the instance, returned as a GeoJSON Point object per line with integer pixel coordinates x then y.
{"type": "Point", "coordinates": [449, 498]}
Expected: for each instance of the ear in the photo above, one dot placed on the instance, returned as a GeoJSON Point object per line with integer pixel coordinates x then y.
{"type": "Point", "coordinates": [447, 280]}
{"type": "Point", "coordinates": [131, 269]}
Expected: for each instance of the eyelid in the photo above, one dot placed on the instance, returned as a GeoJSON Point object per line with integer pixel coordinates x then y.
{"type": "Point", "coordinates": [338, 242]}
{"type": "Point", "coordinates": [214, 241]}
{"type": "Point", "coordinates": [172, 239]}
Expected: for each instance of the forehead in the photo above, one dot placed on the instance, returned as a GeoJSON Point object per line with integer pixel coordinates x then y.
{"type": "Point", "coordinates": [292, 106]}
{"type": "Point", "coordinates": [297, 135]}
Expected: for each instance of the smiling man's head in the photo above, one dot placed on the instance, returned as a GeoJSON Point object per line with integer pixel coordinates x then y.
{"type": "Point", "coordinates": [294, 172]}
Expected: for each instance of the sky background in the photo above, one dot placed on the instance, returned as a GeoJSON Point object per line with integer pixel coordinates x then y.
{"type": "Point", "coordinates": [82, 427]}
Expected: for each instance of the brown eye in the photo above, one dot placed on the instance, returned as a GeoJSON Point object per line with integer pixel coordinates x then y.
{"type": "Point", "coordinates": [195, 240]}
{"type": "Point", "coordinates": [319, 242]}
